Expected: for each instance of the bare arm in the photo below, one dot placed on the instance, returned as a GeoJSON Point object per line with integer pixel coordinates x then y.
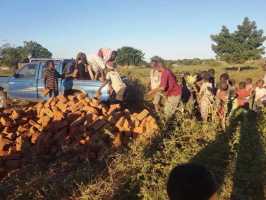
{"type": "Point", "coordinates": [103, 85]}
{"type": "Point", "coordinates": [89, 68]}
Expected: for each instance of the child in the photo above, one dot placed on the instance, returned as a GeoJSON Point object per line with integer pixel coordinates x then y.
{"type": "Point", "coordinates": [224, 77]}
{"type": "Point", "coordinates": [222, 98]}
{"type": "Point", "coordinates": [206, 97]}
{"type": "Point", "coordinates": [212, 80]}
{"type": "Point", "coordinates": [191, 182]}
{"type": "Point", "coordinates": [116, 85]}
{"type": "Point", "coordinates": [249, 86]}
{"type": "Point", "coordinates": [260, 94]}
{"type": "Point", "coordinates": [242, 95]}
{"type": "Point", "coordinates": [51, 79]}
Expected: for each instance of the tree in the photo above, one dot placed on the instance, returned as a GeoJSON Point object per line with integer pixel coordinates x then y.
{"type": "Point", "coordinates": [246, 43]}
{"type": "Point", "coordinates": [36, 50]}
{"type": "Point", "coordinates": [129, 56]}
{"type": "Point", "coordinates": [11, 56]}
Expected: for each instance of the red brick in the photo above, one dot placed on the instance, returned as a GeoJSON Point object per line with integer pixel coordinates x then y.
{"type": "Point", "coordinates": [114, 107]}
{"type": "Point", "coordinates": [142, 115]}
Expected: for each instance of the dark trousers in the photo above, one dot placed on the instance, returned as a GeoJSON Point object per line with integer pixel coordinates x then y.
{"type": "Point", "coordinates": [68, 92]}
{"type": "Point", "coordinates": [53, 93]}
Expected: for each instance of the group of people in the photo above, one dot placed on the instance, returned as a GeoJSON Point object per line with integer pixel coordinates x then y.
{"type": "Point", "coordinates": [100, 67]}
{"type": "Point", "coordinates": [201, 90]}
{"type": "Point", "coordinates": [210, 98]}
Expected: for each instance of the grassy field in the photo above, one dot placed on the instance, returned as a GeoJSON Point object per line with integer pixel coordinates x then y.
{"type": "Point", "coordinates": [236, 157]}
{"type": "Point", "coordinates": [252, 69]}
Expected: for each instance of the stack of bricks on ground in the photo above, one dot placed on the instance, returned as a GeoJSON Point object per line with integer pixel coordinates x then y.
{"type": "Point", "coordinates": [66, 124]}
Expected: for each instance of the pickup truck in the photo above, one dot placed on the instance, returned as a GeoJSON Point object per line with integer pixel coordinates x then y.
{"type": "Point", "coordinates": [28, 83]}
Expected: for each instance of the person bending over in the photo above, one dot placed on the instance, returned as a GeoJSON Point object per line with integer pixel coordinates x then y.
{"type": "Point", "coordinates": [116, 86]}
{"type": "Point", "coordinates": [169, 87]}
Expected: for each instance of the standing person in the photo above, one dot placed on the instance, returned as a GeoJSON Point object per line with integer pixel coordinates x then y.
{"type": "Point", "coordinates": [232, 101]}
{"type": "Point", "coordinates": [51, 79]}
{"type": "Point", "coordinates": [81, 66]}
{"type": "Point", "coordinates": [249, 85]}
{"type": "Point", "coordinates": [222, 99]}
{"type": "Point", "coordinates": [250, 88]}
{"type": "Point", "coordinates": [206, 98]}
{"type": "Point", "coordinates": [168, 86]}
{"type": "Point", "coordinates": [242, 95]}
{"type": "Point", "coordinates": [155, 80]}
{"type": "Point", "coordinates": [68, 78]}
{"type": "Point", "coordinates": [212, 80]}
{"type": "Point", "coordinates": [260, 94]}
{"type": "Point", "coordinates": [116, 85]}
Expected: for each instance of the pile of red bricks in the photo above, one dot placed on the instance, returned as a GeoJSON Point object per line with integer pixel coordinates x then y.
{"type": "Point", "coordinates": [75, 123]}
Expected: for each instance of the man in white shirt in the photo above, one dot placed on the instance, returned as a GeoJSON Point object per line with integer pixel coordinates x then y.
{"type": "Point", "coordinates": [155, 80]}
{"type": "Point", "coordinates": [116, 84]}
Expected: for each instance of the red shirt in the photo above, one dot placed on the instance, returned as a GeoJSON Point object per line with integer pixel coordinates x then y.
{"type": "Point", "coordinates": [242, 96]}
{"type": "Point", "coordinates": [169, 84]}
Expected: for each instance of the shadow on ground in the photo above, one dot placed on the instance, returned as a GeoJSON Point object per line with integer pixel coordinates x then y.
{"type": "Point", "coordinates": [248, 176]}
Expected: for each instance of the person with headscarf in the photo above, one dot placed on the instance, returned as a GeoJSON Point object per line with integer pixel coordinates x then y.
{"type": "Point", "coordinates": [97, 63]}
{"type": "Point", "coordinates": [81, 66]}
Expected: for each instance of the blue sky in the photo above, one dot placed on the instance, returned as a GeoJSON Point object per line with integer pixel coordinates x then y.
{"type": "Point", "coordinates": [169, 28]}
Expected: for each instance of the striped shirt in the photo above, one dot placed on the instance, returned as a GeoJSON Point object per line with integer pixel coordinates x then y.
{"type": "Point", "coordinates": [50, 79]}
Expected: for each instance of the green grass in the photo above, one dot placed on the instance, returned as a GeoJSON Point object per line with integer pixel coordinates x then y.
{"type": "Point", "coordinates": [236, 156]}
{"type": "Point", "coordinates": [256, 72]}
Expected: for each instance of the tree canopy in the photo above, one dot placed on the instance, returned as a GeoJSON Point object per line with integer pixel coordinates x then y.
{"type": "Point", "coordinates": [129, 56]}
{"type": "Point", "coordinates": [245, 43]}
{"type": "Point", "coordinates": [11, 55]}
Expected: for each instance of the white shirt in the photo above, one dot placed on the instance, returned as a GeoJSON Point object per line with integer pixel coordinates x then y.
{"type": "Point", "coordinates": [96, 62]}
{"type": "Point", "coordinates": [116, 80]}
{"type": "Point", "coordinates": [259, 93]}
{"type": "Point", "coordinates": [155, 77]}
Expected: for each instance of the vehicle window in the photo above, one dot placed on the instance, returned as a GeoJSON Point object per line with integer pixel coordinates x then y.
{"type": "Point", "coordinates": [44, 67]}
{"type": "Point", "coordinates": [27, 71]}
